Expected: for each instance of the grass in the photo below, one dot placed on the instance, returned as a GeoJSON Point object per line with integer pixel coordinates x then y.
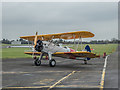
{"type": "Point", "coordinates": [5, 44]}
{"type": "Point", "coordinates": [14, 53]}
{"type": "Point", "coordinates": [98, 49]}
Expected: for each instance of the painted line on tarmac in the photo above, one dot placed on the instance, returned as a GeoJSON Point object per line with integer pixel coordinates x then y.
{"type": "Point", "coordinates": [59, 86]}
{"type": "Point", "coordinates": [61, 80]}
{"type": "Point", "coordinates": [25, 87]}
{"type": "Point", "coordinates": [4, 72]}
{"type": "Point", "coordinates": [49, 87]}
{"type": "Point", "coordinates": [103, 74]}
{"type": "Point", "coordinates": [77, 86]}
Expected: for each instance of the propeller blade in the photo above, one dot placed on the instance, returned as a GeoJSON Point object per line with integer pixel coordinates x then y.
{"type": "Point", "coordinates": [35, 40]}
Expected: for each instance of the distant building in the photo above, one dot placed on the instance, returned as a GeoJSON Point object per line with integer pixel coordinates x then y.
{"type": "Point", "coordinates": [16, 42]}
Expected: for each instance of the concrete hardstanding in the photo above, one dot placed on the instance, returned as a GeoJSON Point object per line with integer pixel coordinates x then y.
{"type": "Point", "coordinates": [23, 74]}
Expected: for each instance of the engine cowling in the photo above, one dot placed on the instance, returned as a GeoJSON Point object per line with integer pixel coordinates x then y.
{"type": "Point", "coordinates": [39, 46]}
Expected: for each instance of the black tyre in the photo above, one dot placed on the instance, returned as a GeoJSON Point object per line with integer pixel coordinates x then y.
{"type": "Point", "coordinates": [52, 63]}
{"type": "Point", "coordinates": [85, 62]}
{"type": "Point", "coordinates": [37, 62]}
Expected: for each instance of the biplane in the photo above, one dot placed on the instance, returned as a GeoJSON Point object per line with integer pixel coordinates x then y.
{"type": "Point", "coordinates": [44, 46]}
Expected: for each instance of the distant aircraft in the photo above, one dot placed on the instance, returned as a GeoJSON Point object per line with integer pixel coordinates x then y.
{"type": "Point", "coordinates": [44, 46]}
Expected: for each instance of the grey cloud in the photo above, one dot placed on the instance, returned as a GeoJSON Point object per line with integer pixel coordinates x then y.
{"type": "Point", "coordinates": [58, 12]}
{"type": "Point", "coordinates": [60, 17]}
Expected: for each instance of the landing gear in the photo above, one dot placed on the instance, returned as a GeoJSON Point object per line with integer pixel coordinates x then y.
{"type": "Point", "coordinates": [37, 62]}
{"type": "Point", "coordinates": [85, 61]}
{"type": "Point", "coordinates": [52, 62]}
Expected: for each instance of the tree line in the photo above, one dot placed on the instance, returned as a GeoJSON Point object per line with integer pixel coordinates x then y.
{"type": "Point", "coordinates": [6, 41]}
{"type": "Point", "coordinates": [113, 40]}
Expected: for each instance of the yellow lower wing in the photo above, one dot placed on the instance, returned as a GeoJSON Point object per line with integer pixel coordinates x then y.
{"type": "Point", "coordinates": [69, 54]}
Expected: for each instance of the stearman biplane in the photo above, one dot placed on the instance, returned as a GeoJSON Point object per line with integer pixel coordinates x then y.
{"type": "Point", "coordinates": [44, 46]}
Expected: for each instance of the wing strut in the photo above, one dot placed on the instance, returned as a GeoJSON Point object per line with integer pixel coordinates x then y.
{"type": "Point", "coordinates": [78, 42]}
{"type": "Point", "coordinates": [81, 44]}
{"type": "Point", "coordinates": [74, 39]}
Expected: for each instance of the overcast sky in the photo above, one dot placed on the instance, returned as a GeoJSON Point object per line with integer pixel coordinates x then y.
{"type": "Point", "coordinates": [21, 19]}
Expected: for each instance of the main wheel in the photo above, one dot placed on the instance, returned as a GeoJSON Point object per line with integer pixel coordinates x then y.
{"type": "Point", "coordinates": [52, 63]}
{"type": "Point", "coordinates": [37, 62]}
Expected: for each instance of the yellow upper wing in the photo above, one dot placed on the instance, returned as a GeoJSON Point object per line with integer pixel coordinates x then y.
{"type": "Point", "coordinates": [68, 35]}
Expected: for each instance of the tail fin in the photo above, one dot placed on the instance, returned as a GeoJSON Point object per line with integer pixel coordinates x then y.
{"type": "Point", "coordinates": [87, 48]}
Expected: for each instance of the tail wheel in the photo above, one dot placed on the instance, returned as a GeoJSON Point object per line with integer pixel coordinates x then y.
{"type": "Point", "coordinates": [52, 63]}
{"type": "Point", "coordinates": [85, 61]}
{"type": "Point", "coordinates": [37, 62]}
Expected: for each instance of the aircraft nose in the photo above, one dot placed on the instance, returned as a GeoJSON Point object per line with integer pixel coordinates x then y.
{"type": "Point", "coordinates": [39, 46]}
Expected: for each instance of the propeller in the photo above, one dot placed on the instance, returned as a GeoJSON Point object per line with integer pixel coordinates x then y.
{"type": "Point", "coordinates": [35, 42]}
{"type": "Point", "coordinates": [38, 44]}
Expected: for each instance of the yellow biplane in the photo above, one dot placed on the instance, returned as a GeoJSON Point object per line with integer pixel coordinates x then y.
{"type": "Point", "coordinates": [44, 46]}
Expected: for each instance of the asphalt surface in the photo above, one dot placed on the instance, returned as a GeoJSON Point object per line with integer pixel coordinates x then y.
{"type": "Point", "coordinates": [111, 77]}
{"type": "Point", "coordinates": [67, 74]}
